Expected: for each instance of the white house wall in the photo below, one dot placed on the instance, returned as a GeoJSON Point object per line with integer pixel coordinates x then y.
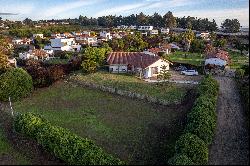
{"type": "Point", "coordinates": [157, 64]}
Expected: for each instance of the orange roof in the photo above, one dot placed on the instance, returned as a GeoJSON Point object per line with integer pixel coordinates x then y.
{"type": "Point", "coordinates": [219, 54]}
{"type": "Point", "coordinates": [39, 53]}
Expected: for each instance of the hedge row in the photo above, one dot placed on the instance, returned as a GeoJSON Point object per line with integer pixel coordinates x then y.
{"type": "Point", "coordinates": [200, 128]}
{"type": "Point", "coordinates": [65, 145]}
{"type": "Point", "coordinates": [44, 75]}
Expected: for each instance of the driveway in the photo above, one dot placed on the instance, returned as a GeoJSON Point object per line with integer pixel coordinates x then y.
{"type": "Point", "coordinates": [230, 145]}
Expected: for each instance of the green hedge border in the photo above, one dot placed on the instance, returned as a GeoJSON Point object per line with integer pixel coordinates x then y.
{"type": "Point", "coordinates": [64, 144]}
{"type": "Point", "coordinates": [192, 146]}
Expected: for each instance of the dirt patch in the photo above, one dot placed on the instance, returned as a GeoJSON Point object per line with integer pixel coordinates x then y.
{"type": "Point", "coordinates": [27, 147]}
{"type": "Point", "coordinates": [230, 145]}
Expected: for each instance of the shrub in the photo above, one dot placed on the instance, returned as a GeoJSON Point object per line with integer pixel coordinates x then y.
{"type": "Point", "coordinates": [16, 83]}
{"type": "Point", "coordinates": [239, 73]}
{"type": "Point", "coordinates": [75, 63]}
{"type": "Point", "coordinates": [28, 124]}
{"type": "Point", "coordinates": [208, 86]}
{"type": "Point", "coordinates": [192, 146]}
{"type": "Point", "coordinates": [64, 144]}
{"type": "Point", "coordinates": [206, 101]}
{"type": "Point", "coordinates": [201, 124]}
{"type": "Point", "coordinates": [40, 76]}
{"type": "Point", "coordinates": [56, 72]}
{"type": "Point", "coordinates": [180, 159]}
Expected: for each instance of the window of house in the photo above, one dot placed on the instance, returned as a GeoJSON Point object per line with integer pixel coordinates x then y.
{"type": "Point", "coordinates": [154, 70]}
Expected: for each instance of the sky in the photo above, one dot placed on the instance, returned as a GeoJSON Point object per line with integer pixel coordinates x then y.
{"type": "Point", "coordinates": [57, 9]}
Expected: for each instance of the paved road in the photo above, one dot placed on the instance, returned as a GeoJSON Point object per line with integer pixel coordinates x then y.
{"type": "Point", "coordinates": [230, 145]}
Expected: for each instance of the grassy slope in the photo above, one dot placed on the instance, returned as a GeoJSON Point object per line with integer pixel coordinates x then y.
{"type": "Point", "coordinates": [135, 131]}
{"type": "Point", "coordinates": [237, 60]}
{"type": "Point", "coordinates": [7, 154]}
{"type": "Point", "coordinates": [129, 83]}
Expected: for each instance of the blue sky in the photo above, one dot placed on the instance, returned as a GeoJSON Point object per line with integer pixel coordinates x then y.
{"type": "Point", "coordinates": [48, 9]}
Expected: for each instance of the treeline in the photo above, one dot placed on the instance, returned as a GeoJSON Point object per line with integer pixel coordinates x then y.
{"type": "Point", "coordinates": [46, 31]}
{"type": "Point", "coordinates": [156, 20]}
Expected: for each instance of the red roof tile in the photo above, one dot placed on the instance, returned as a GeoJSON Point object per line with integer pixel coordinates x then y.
{"type": "Point", "coordinates": [219, 54]}
{"type": "Point", "coordinates": [138, 59]}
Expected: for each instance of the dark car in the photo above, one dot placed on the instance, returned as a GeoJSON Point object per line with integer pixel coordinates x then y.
{"type": "Point", "coordinates": [180, 68]}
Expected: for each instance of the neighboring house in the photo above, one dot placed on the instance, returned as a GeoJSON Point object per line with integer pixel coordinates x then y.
{"type": "Point", "coordinates": [55, 35]}
{"type": "Point", "coordinates": [12, 62]}
{"type": "Point", "coordinates": [166, 48]}
{"type": "Point", "coordinates": [218, 59]}
{"type": "Point", "coordinates": [165, 30]}
{"type": "Point", "coordinates": [66, 35]}
{"type": "Point", "coordinates": [106, 35]}
{"type": "Point", "coordinates": [203, 35]}
{"type": "Point", "coordinates": [86, 39]}
{"type": "Point", "coordinates": [34, 54]}
{"type": "Point", "coordinates": [136, 62]}
{"type": "Point", "coordinates": [86, 33]}
{"type": "Point", "coordinates": [154, 32]}
{"type": "Point", "coordinates": [24, 41]}
{"type": "Point", "coordinates": [63, 44]}
{"type": "Point", "coordinates": [77, 33]}
{"type": "Point", "coordinates": [37, 35]}
{"type": "Point", "coordinates": [17, 41]}
{"type": "Point", "coordinates": [145, 28]}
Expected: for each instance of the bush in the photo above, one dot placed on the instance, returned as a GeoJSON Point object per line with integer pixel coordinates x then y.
{"type": "Point", "coordinates": [180, 159]}
{"type": "Point", "coordinates": [16, 83]}
{"type": "Point", "coordinates": [208, 86]}
{"type": "Point", "coordinates": [193, 147]}
{"type": "Point", "coordinates": [56, 72]}
{"type": "Point", "coordinates": [239, 73]}
{"type": "Point", "coordinates": [65, 145]}
{"type": "Point", "coordinates": [202, 124]}
{"type": "Point", "coordinates": [28, 124]}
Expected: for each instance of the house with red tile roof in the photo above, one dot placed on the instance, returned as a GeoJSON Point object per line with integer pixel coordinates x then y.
{"type": "Point", "coordinates": [136, 62]}
{"type": "Point", "coordinates": [217, 58]}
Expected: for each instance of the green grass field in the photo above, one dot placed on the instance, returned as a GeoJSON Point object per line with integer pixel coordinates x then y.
{"type": "Point", "coordinates": [57, 61]}
{"type": "Point", "coordinates": [133, 130]}
{"type": "Point", "coordinates": [237, 60]}
{"type": "Point", "coordinates": [8, 155]}
{"type": "Point", "coordinates": [171, 92]}
{"type": "Point", "coordinates": [191, 58]}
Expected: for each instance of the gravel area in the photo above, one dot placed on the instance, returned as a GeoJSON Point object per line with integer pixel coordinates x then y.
{"type": "Point", "coordinates": [230, 145]}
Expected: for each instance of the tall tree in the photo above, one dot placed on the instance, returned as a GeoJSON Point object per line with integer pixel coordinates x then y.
{"type": "Point", "coordinates": [4, 63]}
{"type": "Point", "coordinates": [170, 20]}
{"type": "Point", "coordinates": [231, 25]}
{"type": "Point", "coordinates": [187, 38]}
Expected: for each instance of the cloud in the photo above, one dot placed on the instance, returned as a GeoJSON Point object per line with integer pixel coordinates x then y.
{"type": "Point", "coordinates": [54, 11]}
{"type": "Point", "coordinates": [119, 9]}
{"type": "Point", "coordinates": [23, 8]}
{"type": "Point", "coordinates": [8, 14]}
{"type": "Point", "coordinates": [143, 6]}
{"type": "Point", "coordinates": [219, 15]}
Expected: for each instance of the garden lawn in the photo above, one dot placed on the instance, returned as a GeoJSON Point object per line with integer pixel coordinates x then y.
{"type": "Point", "coordinates": [8, 155]}
{"type": "Point", "coordinates": [237, 60]}
{"type": "Point", "coordinates": [135, 131]}
{"type": "Point", "coordinates": [57, 61]}
{"type": "Point", "coordinates": [170, 92]}
{"type": "Point", "coordinates": [191, 58]}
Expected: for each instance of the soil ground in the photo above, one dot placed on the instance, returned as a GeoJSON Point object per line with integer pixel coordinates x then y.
{"type": "Point", "coordinates": [231, 142]}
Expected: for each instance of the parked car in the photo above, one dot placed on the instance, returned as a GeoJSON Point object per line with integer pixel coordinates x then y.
{"type": "Point", "coordinates": [180, 68]}
{"type": "Point", "coordinates": [190, 72]}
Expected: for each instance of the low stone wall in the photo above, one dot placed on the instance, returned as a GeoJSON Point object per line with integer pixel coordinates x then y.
{"type": "Point", "coordinates": [126, 93]}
